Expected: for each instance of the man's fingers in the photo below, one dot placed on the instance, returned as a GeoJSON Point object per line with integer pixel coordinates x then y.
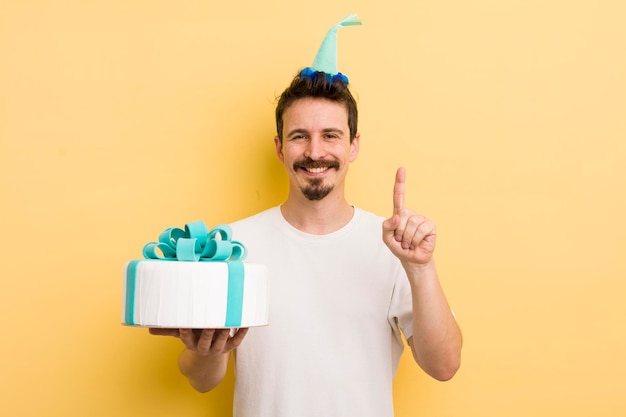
{"type": "Point", "coordinates": [205, 341]}
{"type": "Point", "coordinates": [389, 228]}
{"type": "Point", "coordinates": [237, 338]}
{"type": "Point", "coordinates": [398, 191]}
{"type": "Point", "coordinates": [158, 331]}
{"type": "Point", "coordinates": [410, 236]}
{"type": "Point", "coordinates": [219, 340]}
{"type": "Point", "coordinates": [188, 338]}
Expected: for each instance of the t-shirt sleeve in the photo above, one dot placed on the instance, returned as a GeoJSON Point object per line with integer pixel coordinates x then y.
{"type": "Point", "coordinates": [401, 307]}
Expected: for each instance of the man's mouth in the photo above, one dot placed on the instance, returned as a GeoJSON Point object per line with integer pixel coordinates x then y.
{"type": "Point", "coordinates": [316, 170]}
{"type": "Point", "coordinates": [315, 167]}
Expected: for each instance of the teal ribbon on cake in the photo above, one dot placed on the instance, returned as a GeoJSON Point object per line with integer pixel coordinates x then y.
{"type": "Point", "coordinates": [197, 244]}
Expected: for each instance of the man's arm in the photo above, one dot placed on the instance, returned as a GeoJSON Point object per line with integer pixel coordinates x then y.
{"type": "Point", "coordinates": [436, 342]}
{"type": "Point", "coordinates": [205, 358]}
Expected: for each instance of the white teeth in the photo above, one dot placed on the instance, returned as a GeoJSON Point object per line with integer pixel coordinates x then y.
{"type": "Point", "coordinates": [316, 170]}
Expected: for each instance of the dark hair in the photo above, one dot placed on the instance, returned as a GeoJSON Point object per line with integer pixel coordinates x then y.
{"type": "Point", "coordinates": [317, 84]}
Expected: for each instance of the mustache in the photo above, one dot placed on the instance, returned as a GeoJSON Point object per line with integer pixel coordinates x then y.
{"type": "Point", "coordinates": [308, 163]}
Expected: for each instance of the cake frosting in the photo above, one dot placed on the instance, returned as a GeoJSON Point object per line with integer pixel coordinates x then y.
{"type": "Point", "coordinates": [195, 278]}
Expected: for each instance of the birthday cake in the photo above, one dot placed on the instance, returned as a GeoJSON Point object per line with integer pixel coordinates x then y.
{"type": "Point", "coordinates": [195, 278]}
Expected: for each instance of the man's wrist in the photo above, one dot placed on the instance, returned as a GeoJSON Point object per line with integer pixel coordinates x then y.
{"type": "Point", "coordinates": [419, 271]}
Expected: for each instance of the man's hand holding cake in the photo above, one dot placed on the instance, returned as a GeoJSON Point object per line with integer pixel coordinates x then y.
{"type": "Point", "coordinates": [205, 358]}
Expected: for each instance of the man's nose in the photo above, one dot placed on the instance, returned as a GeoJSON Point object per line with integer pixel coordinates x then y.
{"type": "Point", "coordinates": [316, 149]}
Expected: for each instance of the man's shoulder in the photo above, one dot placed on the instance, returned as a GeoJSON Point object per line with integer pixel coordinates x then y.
{"type": "Point", "coordinates": [365, 216]}
{"type": "Point", "coordinates": [264, 217]}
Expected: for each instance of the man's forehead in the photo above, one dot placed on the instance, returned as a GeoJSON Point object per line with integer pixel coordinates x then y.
{"type": "Point", "coordinates": [316, 107]}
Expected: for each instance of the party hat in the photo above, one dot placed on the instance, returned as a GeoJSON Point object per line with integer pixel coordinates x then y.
{"type": "Point", "coordinates": [326, 58]}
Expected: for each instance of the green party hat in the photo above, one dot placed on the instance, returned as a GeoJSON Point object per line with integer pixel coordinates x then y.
{"type": "Point", "coordinates": [326, 58]}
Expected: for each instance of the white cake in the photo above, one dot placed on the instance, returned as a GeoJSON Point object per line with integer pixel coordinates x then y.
{"type": "Point", "coordinates": [212, 288]}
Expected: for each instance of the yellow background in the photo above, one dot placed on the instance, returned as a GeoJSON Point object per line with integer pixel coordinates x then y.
{"type": "Point", "coordinates": [121, 118]}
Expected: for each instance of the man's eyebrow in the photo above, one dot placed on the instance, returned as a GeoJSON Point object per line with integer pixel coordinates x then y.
{"type": "Point", "coordinates": [306, 132]}
{"type": "Point", "coordinates": [294, 131]}
{"type": "Point", "coordinates": [333, 130]}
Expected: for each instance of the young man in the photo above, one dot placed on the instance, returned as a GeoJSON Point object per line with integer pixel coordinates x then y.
{"type": "Point", "coordinates": [345, 284]}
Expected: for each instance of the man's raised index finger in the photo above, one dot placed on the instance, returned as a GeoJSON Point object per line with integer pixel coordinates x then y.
{"type": "Point", "coordinates": [398, 191]}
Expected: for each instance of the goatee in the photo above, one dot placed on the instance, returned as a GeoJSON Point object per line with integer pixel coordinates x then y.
{"type": "Point", "coordinates": [316, 190]}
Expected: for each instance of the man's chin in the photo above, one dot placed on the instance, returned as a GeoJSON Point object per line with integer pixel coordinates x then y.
{"type": "Point", "coordinates": [316, 193]}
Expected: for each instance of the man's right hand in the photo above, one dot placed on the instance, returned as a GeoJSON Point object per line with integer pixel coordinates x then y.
{"type": "Point", "coordinates": [205, 359]}
{"type": "Point", "coordinates": [205, 342]}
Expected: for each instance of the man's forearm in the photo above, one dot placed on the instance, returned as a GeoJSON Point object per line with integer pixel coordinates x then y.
{"type": "Point", "coordinates": [436, 341]}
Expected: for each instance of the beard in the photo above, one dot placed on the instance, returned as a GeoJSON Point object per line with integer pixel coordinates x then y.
{"type": "Point", "coordinates": [315, 190]}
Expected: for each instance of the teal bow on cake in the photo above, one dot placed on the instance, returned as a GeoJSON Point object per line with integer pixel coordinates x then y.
{"type": "Point", "coordinates": [196, 243]}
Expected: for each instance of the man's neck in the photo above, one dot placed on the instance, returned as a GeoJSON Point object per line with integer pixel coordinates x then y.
{"type": "Point", "coordinates": [317, 217]}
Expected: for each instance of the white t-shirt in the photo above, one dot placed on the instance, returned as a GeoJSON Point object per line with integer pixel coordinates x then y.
{"type": "Point", "coordinates": [337, 304]}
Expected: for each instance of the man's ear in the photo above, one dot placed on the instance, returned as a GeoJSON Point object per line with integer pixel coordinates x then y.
{"type": "Point", "coordinates": [279, 148]}
{"type": "Point", "coordinates": [354, 147]}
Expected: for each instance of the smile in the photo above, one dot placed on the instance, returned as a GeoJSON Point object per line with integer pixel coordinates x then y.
{"type": "Point", "coordinates": [316, 167]}
{"type": "Point", "coordinates": [316, 170]}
